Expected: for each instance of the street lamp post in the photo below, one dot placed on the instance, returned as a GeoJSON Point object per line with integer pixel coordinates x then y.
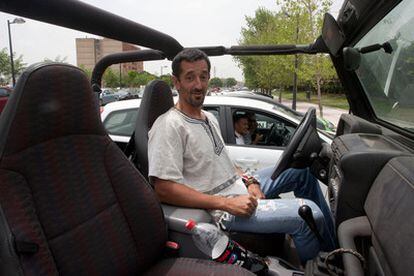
{"type": "Point", "coordinates": [295, 74]}
{"type": "Point", "coordinates": [120, 75]}
{"type": "Point", "coordinates": [15, 21]}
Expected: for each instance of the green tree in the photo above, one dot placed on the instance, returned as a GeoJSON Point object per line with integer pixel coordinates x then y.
{"type": "Point", "coordinates": [167, 79]}
{"type": "Point", "coordinates": [57, 59]}
{"type": "Point", "coordinates": [229, 82]}
{"type": "Point", "coordinates": [265, 72]}
{"type": "Point", "coordinates": [216, 82]}
{"type": "Point", "coordinates": [298, 22]}
{"type": "Point", "coordinates": [318, 68]}
{"type": "Point", "coordinates": [136, 79]}
{"type": "Point", "coordinates": [88, 72]}
{"type": "Point", "coordinates": [110, 79]}
{"type": "Point", "coordinates": [5, 66]}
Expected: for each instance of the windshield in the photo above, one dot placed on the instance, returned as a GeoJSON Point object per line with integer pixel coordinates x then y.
{"type": "Point", "coordinates": [388, 79]}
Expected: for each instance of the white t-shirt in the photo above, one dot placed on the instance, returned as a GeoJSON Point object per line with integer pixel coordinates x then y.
{"type": "Point", "coordinates": [192, 152]}
{"type": "Point", "coordinates": [239, 138]}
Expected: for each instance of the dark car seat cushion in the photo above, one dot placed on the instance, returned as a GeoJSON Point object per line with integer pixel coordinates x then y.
{"type": "Point", "coordinates": [49, 102]}
{"type": "Point", "coordinates": [389, 207]}
{"type": "Point", "coordinates": [83, 210]}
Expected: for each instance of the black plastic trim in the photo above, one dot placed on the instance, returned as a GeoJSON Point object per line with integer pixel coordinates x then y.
{"type": "Point", "coordinates": [80, 16]}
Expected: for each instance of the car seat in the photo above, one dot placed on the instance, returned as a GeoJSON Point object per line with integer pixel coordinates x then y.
{"type": "Point", "coordinates": [71, 202]}
{"type": "Point", "coordinates": [387, 227]}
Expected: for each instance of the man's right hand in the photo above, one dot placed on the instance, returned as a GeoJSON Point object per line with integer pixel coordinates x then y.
{"type": "Point", "coordinates": [243, 205]}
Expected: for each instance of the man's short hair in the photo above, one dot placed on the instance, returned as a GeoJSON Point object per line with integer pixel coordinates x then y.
{"type": "Point", "coordinates": [238, 117]}
{"type": "Point", "coordinates": [189, 55]}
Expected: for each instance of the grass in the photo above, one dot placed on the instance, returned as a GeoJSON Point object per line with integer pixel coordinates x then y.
{"type": "Point", "coordinates": [331, 100]}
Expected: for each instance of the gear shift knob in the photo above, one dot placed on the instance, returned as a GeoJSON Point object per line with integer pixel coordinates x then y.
{"type": "Point", "coordinates": [305, 212]}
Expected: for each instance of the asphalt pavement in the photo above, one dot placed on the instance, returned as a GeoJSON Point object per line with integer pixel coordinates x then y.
{"type": "Point", "coordinates": [329, 113]}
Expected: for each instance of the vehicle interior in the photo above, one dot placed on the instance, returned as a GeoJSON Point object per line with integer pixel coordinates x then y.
{"type": "Point", "coordinates": [73, 203]}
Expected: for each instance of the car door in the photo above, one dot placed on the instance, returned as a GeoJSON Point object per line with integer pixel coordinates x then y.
{"type": "Point", "coordinates": [252, 157]}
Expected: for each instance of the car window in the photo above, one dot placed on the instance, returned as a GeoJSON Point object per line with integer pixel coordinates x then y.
{"type": "Point", "coordinates": [388, 79]}
{"type": "Point", "coordinates": [264, 129]}
{"type": "Point", "coordinates": [214, 111]}
{"type": "Point", "coordinates": [121, 122]}
{"type": "Point", "coordinates": [3, 92]}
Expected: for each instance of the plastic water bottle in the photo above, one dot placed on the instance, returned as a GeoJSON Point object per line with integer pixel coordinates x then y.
{"type": "Point", "coordinates": [216, 244]}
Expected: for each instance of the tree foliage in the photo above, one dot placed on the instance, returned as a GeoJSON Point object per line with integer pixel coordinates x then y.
{"type": "Point", "coordinates": [110, 79]}
{"type": "Point", "coordinates": [216, 82]}
{"type": "Point", "coordinates": [297, 22]}
{"type": "Point", "coordinates": [167, 79]}
{"type": "Point", "coordinates": [58, 58]}
{"type": "Point", "coordinates": [5, 66]}
{"type": "Point", "coordinates": [229, 82]}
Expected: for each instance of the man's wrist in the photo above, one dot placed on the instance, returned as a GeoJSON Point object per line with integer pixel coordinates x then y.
{"type": "Point", "coordinates": [249, 180]}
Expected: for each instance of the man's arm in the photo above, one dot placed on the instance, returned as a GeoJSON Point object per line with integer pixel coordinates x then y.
{"type": "Point", "coordinates": [181, 195]}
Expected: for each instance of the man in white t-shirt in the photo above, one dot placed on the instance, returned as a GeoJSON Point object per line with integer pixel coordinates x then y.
{"type": "Point", "coordinates": [190, 167]}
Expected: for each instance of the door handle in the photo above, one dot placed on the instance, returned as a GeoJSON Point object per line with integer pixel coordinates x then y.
{"type": "Point", "coordinates": [247, 161]}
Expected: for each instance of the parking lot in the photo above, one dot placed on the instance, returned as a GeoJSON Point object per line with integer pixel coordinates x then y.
{"type": "Point", "coordinates": [329, 113]}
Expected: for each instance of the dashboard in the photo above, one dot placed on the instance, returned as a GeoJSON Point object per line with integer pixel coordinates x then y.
{"type": "Point", "coordinates": [359, 152]}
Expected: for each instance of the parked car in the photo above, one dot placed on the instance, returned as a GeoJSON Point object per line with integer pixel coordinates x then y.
{"type": "Point", "coordinates": [67, 212]}
{"type": "Point", "coordinates": [107, 96]}
{"type": "Point", "coordinates": [119, 121]}
{"type": "Point", "coordinates": [4, 96]}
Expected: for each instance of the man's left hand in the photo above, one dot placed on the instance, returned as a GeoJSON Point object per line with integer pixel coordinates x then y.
{"type": "Point", "coordinates": [254, 190]}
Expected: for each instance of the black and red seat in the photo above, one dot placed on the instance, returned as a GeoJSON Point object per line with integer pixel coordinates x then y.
{"type": "Point", "coordinates": [71, 202]}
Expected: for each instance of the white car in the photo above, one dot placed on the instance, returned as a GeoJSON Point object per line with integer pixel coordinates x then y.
{"type": "Point", "coordinates": [277, 123]}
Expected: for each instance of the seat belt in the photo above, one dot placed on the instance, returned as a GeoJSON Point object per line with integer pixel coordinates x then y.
{"type": "Point", "coordinates": [129, 150]}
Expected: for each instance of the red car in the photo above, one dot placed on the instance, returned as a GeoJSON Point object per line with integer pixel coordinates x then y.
{"type": "Point", "coordinates": [4, 95]}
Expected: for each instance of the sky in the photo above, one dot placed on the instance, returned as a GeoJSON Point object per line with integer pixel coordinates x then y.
{"type": "Point", "coordinates": [191, 22]}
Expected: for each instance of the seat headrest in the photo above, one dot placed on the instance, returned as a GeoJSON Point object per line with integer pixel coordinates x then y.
{"type": "Point", "coordinates": [50, 100]}
{"type": "Point", "coordinates": [157, 100]}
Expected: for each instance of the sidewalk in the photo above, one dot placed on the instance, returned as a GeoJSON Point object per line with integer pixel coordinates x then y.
{"type": "Point", "coordinates": [329, 113]}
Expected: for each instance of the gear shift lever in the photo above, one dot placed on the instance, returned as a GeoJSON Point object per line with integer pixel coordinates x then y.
{"type": "Point", "coordinates": [305, 212]}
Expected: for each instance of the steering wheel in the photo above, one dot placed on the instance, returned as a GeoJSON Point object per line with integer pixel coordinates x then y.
{"type": "Point", "coordinates": [288, 156]}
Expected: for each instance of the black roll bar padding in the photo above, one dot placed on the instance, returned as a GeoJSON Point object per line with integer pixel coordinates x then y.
{"type": "Point", "coordinates": [129, 56]}
{"type": "Point", "coordinates": [243, 50]}
{"type": "Point", "coordinates": [74, 14]}
{"type": "Point", "coordinates": [347, 232]}
{"type": "Point", "coordinates": [273, 50]}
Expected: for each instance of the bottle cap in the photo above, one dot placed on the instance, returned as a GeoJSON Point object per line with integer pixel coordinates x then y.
{"type": "Point", "coordinates": [190, 224]}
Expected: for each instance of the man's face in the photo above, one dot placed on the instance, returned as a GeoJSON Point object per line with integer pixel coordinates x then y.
{"type": "Point", "coordinates": [242, 126]}
{"type": "Point", "coordinates": [192, 83]}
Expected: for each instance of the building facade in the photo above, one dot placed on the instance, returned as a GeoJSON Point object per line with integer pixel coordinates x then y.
{"type": "Point", "coordinates": [90, 50]}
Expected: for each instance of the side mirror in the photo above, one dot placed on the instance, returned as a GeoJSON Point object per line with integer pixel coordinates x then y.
{"type": "Point", "coordinates": [332, 34]}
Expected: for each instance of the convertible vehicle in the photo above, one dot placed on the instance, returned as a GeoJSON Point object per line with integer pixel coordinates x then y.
{"type": "Point", "coordinates": [72, 203]}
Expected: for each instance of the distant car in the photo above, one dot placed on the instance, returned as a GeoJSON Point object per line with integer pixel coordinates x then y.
{"type": "Point", "coordinates": [275, 122]}
{"type": "Point", "coordinates": [107, 96]}
{"type": "Point", "coordinates": [4, 96]}
{"type": "Point", "coordinates": [123, 94]}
